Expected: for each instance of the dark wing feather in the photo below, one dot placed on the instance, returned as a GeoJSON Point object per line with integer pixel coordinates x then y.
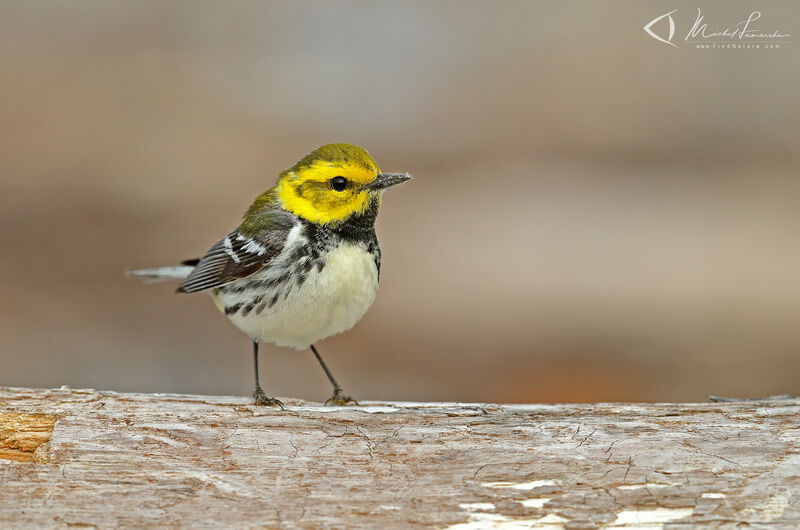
{"type": "Point", "coordinates": [234, 257]}
{"type": "Point", "coordinates": [244, 251]}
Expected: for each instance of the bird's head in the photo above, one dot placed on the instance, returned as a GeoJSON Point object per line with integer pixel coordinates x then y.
{"type": "Point", "coordinates": [333, 183]}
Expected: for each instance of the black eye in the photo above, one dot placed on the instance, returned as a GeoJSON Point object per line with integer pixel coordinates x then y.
{"type": "Point", "coordinates": [338, 183]}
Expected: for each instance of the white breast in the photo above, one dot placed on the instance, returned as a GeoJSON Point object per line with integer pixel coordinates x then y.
{"type": "Point", "coordinates": [328, 302]}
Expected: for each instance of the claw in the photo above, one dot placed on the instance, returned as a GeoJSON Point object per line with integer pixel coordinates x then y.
{"type": "Point", "coordinates": [339, 399]}
{"type": "Point", "coordinates": [261, 399]}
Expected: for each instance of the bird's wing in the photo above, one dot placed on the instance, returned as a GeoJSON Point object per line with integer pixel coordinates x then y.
{"type": "Point", "coordinates": [234, 257]}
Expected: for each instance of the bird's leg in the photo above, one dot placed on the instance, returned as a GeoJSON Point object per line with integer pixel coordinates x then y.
{"type": "Point", "coordinates": [338, 397]}
{"type": "Point", "coordinates": [258, 393]}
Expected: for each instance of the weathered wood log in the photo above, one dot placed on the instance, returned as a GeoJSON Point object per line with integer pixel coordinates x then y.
{"type": "Point", "coordinates": [137, 460]}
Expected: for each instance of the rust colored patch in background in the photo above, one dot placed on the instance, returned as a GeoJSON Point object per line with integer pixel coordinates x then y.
{"type": "Point", "coordinates": [22, 434]}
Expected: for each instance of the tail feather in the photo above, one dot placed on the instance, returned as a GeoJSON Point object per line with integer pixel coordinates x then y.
{"type": "Point", "coordinates": [157, 274]}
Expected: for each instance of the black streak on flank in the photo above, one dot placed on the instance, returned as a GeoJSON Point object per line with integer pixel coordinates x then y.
{"type": "Point", "coordinates": [231, 309]}
{"type": "Point", "coordinates": [249, 307]}
{"type": "Point", "coordinates": [298, 253]}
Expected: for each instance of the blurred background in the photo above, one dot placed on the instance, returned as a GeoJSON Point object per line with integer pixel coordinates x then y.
{"type": "Point", "coordinates": [596, 215]}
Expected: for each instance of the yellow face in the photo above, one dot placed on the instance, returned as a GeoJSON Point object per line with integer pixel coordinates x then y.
{"type": "Point", "coordinates": [330, 184]}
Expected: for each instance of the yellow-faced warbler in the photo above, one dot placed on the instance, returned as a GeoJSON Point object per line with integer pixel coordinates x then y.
{"type": "Point", "coordinates": [304, 263]}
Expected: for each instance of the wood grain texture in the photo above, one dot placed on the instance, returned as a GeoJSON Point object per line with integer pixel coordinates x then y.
{"type": "Point", "coordinates": [137, 460]}
{"type": "Point", "coordinates": [21, 435]}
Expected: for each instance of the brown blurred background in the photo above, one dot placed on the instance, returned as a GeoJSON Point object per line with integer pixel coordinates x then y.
{"type": "Point", "coordinates": [596, 215]}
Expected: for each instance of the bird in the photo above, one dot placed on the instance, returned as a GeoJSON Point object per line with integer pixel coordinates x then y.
{"type": "Point", "coordinates": [304, 263]}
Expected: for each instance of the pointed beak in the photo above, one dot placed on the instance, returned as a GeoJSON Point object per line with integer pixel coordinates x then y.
{"type": "Point", "coordinates": [385, 180]}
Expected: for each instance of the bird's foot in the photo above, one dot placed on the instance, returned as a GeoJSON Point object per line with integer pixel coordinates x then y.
{"type": "Point", "coordinates": [262, 399]}
{"type": "Point", "coordinates": [339, 399]}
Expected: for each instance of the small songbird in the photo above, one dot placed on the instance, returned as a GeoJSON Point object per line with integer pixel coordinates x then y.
{"type": "Point", "coordinates": [304, 263]}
